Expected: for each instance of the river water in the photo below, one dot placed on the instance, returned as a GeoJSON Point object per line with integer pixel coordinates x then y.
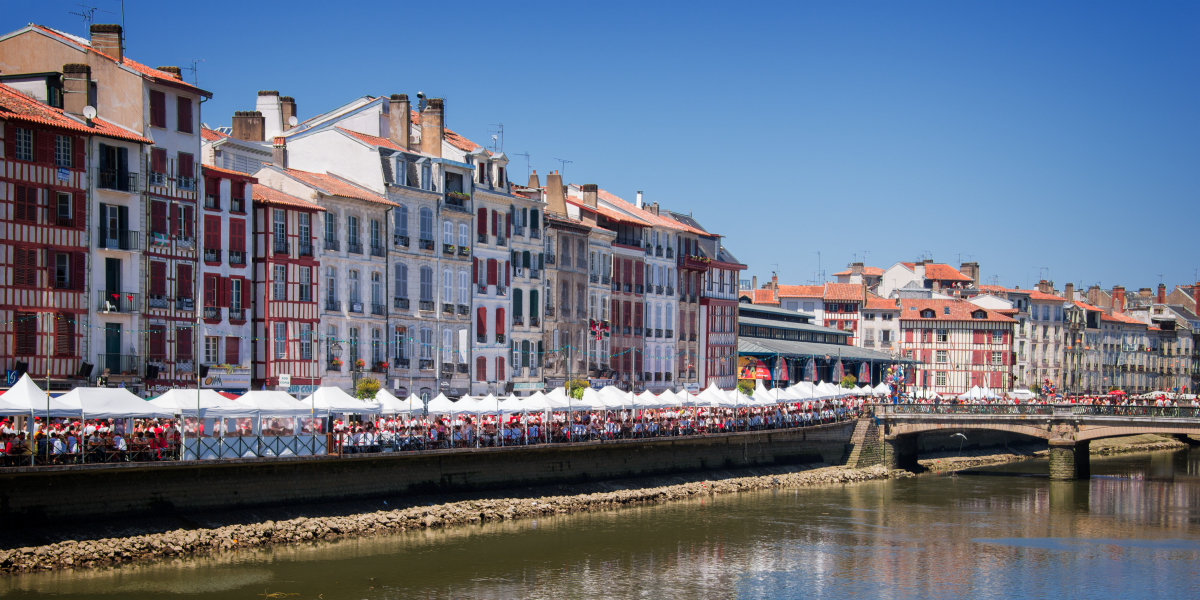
{"type": "Point", "coordinates": [1132, 531]}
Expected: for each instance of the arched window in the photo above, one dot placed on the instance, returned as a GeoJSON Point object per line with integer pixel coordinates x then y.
{"type": "Point", "coordinates": [448, 233]}
{"type": "Point", "coordinates": [463, 233]}
{"type": "Point", "coordinates": [500, 368]}
{"type": "Point", "coordinates": [481, 368]}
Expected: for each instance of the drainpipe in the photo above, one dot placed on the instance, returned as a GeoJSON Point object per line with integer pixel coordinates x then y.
{"type": "Point", "coordinates": [387, 285]}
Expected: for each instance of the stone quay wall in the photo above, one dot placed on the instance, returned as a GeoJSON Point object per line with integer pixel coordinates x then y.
{"type": "Point", "coordinates": [39, 496]}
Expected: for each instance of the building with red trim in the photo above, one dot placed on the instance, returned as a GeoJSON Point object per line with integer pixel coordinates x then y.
{"type": "Point", "coordinates": [956, 345]}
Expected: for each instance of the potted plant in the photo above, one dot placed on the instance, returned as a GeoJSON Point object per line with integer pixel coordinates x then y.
{"type": "Point", "coordinates": [381, 365]}
{"type": "Point", "coordinates": [336, 363]}
{"type": "Point", "coordinates": [360, 363]}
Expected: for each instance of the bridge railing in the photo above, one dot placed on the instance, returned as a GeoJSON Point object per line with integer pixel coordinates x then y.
{"type": "Point", "coordinates": [1060, 410]}
{"type": "Point", "coordinates": [968, 409]}
{"type": "Point", "coordinates": [1158, 412]}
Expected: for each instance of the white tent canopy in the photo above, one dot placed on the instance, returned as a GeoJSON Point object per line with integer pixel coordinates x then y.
{"type": "Point", "coordinates": [212, 404]}
{"type": "Point", "coordinates": [111, 403]}
{"type": "Point", "coordinates": [331, 399]}
{"type": "Point", "coordinates": [270, 403]}
{"type": "Point", "coordinates": [978, 393]}
{"type": "Point", "coordinates": [391, 405]}
{"type": "Point", "coordinates": [27, 398]}
{"type": "Point", "coordinates": [441, 405]}
{"type": "Point", "coordinates": [881, 390]}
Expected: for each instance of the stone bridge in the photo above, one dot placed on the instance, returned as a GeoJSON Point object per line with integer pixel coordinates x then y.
{"type": "Point", "coordinates": [1067, 428]}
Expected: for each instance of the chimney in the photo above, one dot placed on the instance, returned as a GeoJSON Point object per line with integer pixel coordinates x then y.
{"type": "Point", "coordinates": [107, 38]}
{"type": "Point", "coordinates": [971, 269]}
{"type": "Point", "coordinates": [754, 282]}
{"type": "Point", "coordinates": [919, 271]}
{"type": "Point", "coordinates": [555, 200]}
{"type": "Point", "coordinates": [288, 104]}
{"type": "Point", "coordinates": [1162, 294]}
{"type": "Point", "coordinates": [639, 199]}
{"type": "Point", "coordinates": [654, 208]}
{"type": "Point", "coordinates": [534, 182]}
{"type": "Point", "coordinates": [399, 113]}
{"type": "Point", "coordinates": [248, 125]}
{"type": "Point", "coordinates": [774, 284]}
{"type": "Point", "coordinates": [77, 83]}
{"type": "Point", "coordinates": [1044, 287]}
{"type": "Point", "coordinates": [1196, 296]}
{"type": "Point", "coordinates": [589, 199]}
{"type": "Point", "coordinates": [433, 120]}
{"type": "Point", "coordinates": [279, 152]}
{"type": "Point", "coordinates": [1118, 299]}
{"type": "Point", "coordinates": [1069, 292]}
{"type": "Point", "coordinates": [272, 113]}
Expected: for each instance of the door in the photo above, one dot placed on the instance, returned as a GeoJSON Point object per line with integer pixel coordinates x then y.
{"type": "Point", "coordinates": [112, 347]}
{"type": "Point", "coordinates": [112, 284]}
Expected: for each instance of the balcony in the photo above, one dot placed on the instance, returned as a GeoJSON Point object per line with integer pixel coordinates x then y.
{"type": "Point", "coordinates": [401, 363]}
{"type": "Point", "coordinates": [159, 179]}
{"type": "Point", "coordinates": [692, 337]}
{"type": "Point", "coordinates": [281, 247]}
{"type": "Point", "coordinates": [378, 309]}
{"type": "Point", "coordinates": [212, 201]}
{"type": "Point", "coordinates": [354, 247]}
{"type": "Point", "coordinates": [626, 330]}
{"type": "Point", "coordinates": [549, 311]}
{"type": "Point", "coordinates": [306, 248]}
{"type": "Point", "coordinates": [462, 368]}
{"type": "Point", "coordinates": [593, 278]}
{"type": "Point", "coordinates": [658, 289]}
{"type": "Point", "coordinates": [868, 343]}
{"type": "Point", "coordinates": [118, 239]}
{"type": "Point", "coordinates": [481, 238]}
{"type": "Point", "coordinates": [627, 288]}
{"type": "Point", "coordinates": [670, 254]}
{"type": "Point", "coordinates": [550, 259]}
{"type": "Point", "coordinates": [425, 305]}
{"type": "Point", "coordinates": [237, 258]}
{"type": "Point", "coordinates": [356, 307]}
{"type": "Point", "coordinates": [212, 255]}
{"type": "Point", "coordinates": [118, 302]}
{"type": "Point", "coordinates": [379, 367]}
{"type": "Point", "coordinates": [332, 245]}
{"type": "Point", "coordinates": [639, 288]}
{"type": "Point", "coordinates": [501, 240]}
{"type": "Point", "coordinates": [457, 201]}
{"type": "Point", "coordinates": [483, 288]}
{"type": "Point", "coordinates": [670, 291]}
{"type": "Point", "coordinates": [535, 233]}
{"type": "Point", "coordinates": [464, 310]}
{"type": "Point", "coordinates": [447, 309]}
{"type": "Point", "coordinates": [425, 364]}
{"type": "Point", "coordinates": [464, 251]}
{"type": "Point", "coordinates": [667, 376]}
{"type": "Point", "coordinates": [518, 320]}
{"type": "Point", "coordinates": [500, 338]}
{"type": "Point", "coordinates": [534, 322]}
{"type": "Point", "coordinates": [158, 301]}
{"type": "Point", "coordinates": [400, 303]}
{"type": "Point", "coordinates": [518, 230]}
{"type": "Point", "coordinates": [657, 333]}
{"type": "Point", "coordinates": [670, 333]}
{"type": "Point", "coordinates": [237, 314]}
{"type": "Point", "coordinates": [885, 343]}
{"type": "Point", "coordinates": [694, 298]}
{"type": "Point", "coordinates": [501, 290]}
{"type": "Point", "coordinates": [212, 313]}
{"type": "Point", "coordinates": [605, 280]}
{"type": "Point", "coordinates": [448, 249]}
{"type": "Point", "coordinates": [110, 179]}
{"type": "Point", "coordinates": [377, 250]}
{"type": "Point", "coordinates": [185, 183]}
{"type": "Point", "coordinates": [400, 240]}
{"type": "Point", "coordinates": [481, 338]}
{"type": "Point", "coordinates": [534, 274]}
{"type": "Point", "coordinates": [120, 364]}
{"type": "Point", "coordinates": [447, 369]}
{"type": "Point", "coordinates": [333, 305]}
{"type": "Point", "coordinates": [425, 245]}
{"type": "Point", "coordinates": [649, 251]}
{"type": "Point", "coordinates": [237, 205]}
{"type": "Point", "coordinates": [658, 251]}
{"type": "Point", "coordinates": [637, 331]}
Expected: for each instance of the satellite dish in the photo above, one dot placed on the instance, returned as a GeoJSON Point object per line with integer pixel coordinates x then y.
{"type": "Point", "coordinates": [292, 121]}
{"type": "Point", "coordinates": [89, 112]}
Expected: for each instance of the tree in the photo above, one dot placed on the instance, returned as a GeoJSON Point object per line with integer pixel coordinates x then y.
{"type": "Point", "coordinates": [367, 388]}
{"type": "Point", "coordinates": [848, 381]}
{"type": "Point", "coordinates": [575, 388]}
{"type": "Point", "coordinates": [746, 386]}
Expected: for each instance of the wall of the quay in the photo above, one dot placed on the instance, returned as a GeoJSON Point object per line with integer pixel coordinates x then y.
{"type": "Point", "coordinates": [41, 496]}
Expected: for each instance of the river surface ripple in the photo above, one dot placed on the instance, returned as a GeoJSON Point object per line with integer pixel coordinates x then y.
{"type": "Point", "coordinates": [1132, 531]}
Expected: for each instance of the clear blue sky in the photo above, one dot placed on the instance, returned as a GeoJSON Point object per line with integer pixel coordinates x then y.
{"type": "Point", "coordinates": [1063, 135]}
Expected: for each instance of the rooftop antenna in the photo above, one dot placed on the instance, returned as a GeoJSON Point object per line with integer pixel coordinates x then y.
{"type": "Point", "coordinates": [526, 155]}
{"type": "Point", "coordinates": [1043, 273]}
{"type": "Point", "coordinates": [89, 14]}
{"type": "Point", "coordinates": [564, 163]}
{"type": "Point", "coordinates": [195, 69]}
{"type": "Point", "coordinates": [498, 137]}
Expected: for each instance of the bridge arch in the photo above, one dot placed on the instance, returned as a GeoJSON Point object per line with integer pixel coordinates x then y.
{"type": "Point", "coordinates": [897, 429]}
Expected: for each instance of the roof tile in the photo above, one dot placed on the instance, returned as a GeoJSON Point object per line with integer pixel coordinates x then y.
{"type": "Point", "coordinates": [268, 195]}
{"type": "Point", "coordinates": [17, 106]}
{"type": "Point", "coordinates": [334, 186]}
{"type": "Point", "coordinates": [960, 310]}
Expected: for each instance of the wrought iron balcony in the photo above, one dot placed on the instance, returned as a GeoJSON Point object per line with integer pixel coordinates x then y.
{"type": "Point", "coordinates": [534, 274]}
{"type": "Point", "coordinates": [118, 302]}
{"type": "Point", "coordinates": [118, 239]}
{"type": "Point", "coordinates": [448, 249]}
{"type": "Point", "coordinates": [626, 330]}
{"type": "Point", "coordinates": [281, 247]}
{"type": "Point", "coordinates": [425, 305]}
{"type": "Point", "coordinates": [464, 251]}
{"type": "Point", "coordinates": [378, 309]}
{"type": "Point", "coordinates": [401, 363]}
{"type": "Point", "coordinates": [550, 259]}
{"type": "Point", "coordinates": [627, 288]}
{"type": "Point", "coordinates": [501, 240]}
{"type": "Point", "coordinates": [237, 257]}
{"type": "Point", "coordinates": [333, 305]}
{"type": "Point", "coordinates": [425, 364]}
{"type": "Point", "coordinates": [518, 230]}
{"type": "Point", "coordinates": [400, 240]}
{"type": "Point", "coordinates": [447, 309]}
{"type": "Point", "coordinates": [356, 307]}
{"type": "Point", "coordinates": [594, 278]}
{"type": "Point", "coordinates": [670, 291]}
{"type": "Point", "coordinates": [501, 290]}
{"type": "Point", "coordinates": [111, 179]}
{"type": "Point", "coordinates": [658, 251]}
{"type": "Point", "coordinates": [639, 288]}
{"type": "Point", "coordinates": [500, 338]}
{"type": "Point", "coordinates": [481, 338]}
{"type": "Point", "coordinates": [657, 333]}
{"type": "Point", "coordinates": [549, 311]}
{"type": "Point", "coordinates": [535, 233]}
{"type": "Point", "coordinates": [481, 238]}
{"type": "Point", "coordinates": [400, 303]}
{"type": "Point", "coordinates": [237, 314]}
{"type": "Point", "coordinates": [332, 245]}
{"type": "Point", "coordinates": [658, 289]}
{"type": "Point", "coordinates": [212, 313]}
{"type": "Point", "coordinates": [185, 183]}
{"type": "Point", "coordinates": [159, 179]}
{"type": "Point", "coordinates": [534, 322]}
{"type": "Point", "coordinates": [483, 288]}
{"type": "Point", "coordinates": [462, 368]}
{"type": "Point", "coordinates": [670, 333]}
{"type": "Point", "coordinates": [604, 280]}
{"type": "Point", "coordinates": [158, 301]}
{"type": "Point", "coordinates": [637, 331]}
{"type": "Point", "coordinates": [354, 247]}
{"type": "Point", "coordinates": [120, 364]}
{"type": "Point", "coordinates": [378, 250]}
{"type": "Point", "coordinates": [306, 248]}
{"type": "Point", "coordinates": [670, 254]}
{"type": "Point", "coordinates": [464, 310]}
{"type": "Point", "coordinates": [212, 255]}
{"type": "Point", "coordinates": [518, 320]}
{"type": "Point", "coordinates": [447, 368]}
{"type": "Point", "coordinates": [185, 304]}
{"type": "Point", "coordinates": [649, 251]}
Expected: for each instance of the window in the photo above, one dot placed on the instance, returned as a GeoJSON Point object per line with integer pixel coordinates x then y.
{"type": "Point", "coordinates": [402, 220]}
{"type": "Point", "coordinates": [997, 337]}
{"type": "Point", "coordinates": [376, 241]}
{"type": "Point", "coordinates": [427, 284]}
{"type": "Point", "coordinates": [401, 280]}
{"type": "Point", "coordinates": [355, 290]}
{"type": "Point", "coordinates": [331, 227]}
{"type": "Point", "coordinates": [377, 347]}
{"type": "Point", "coordinates": [63, 210]}
{"type": "Point", "coordinates": [942, 356]}
{"type": "Point", "coordinates": [183, 115]}
{"type": "Point", "coordinates": [306, 341]}
{"type": "Point", "coordinates": [426, 224]}
{"type": "Point", "coordinates": [158, 109]}
{"type": "Point", "coordinates": [331, 284]}
{"type": "Point", "coordinates": [62, 151]}
{"type": "Point", "coordinates": [997, 358]}
{"type": "Point", "coordinates": [447, 345]}
{"type": "Point", "coordinates": [280, 340]}
{"type": "Point", "coordinates": [448, 233]}
{"type": "Point", "coordinates": [399, 349]}
{"type": "Point", "coordinates": [235, 293]}
{"type": "Point", "coordinates": [940, 378]}
{"type": "Point", "coordinates": [279, 283]}
{"type": "Point", "coordinates": [463, 230]}
{"type": "Point", "coordinates": [447, 285]}
{"type": "Point", "coordinates": [24, 144]}
{"type": "Point", "coordinates": [942, 335]}
{"type": "Point", "coordinates": [376, 288]}
{"type": "Point", "coordinates": [464, 288]}
{"type": "Point", "coordinates": [426, 343]}
{"type": "Point", "coordinates": [355, 350]}
{"type": "Point", "coordinates": [810, 306]}
{"type": "Point", "coordinates": [211, 350]}
{"type": "Point", "coordinates": [352, 230]}
{"type": "Point", "coordinates": [305, 284]}
{"type": "Point", "coordinates": [305, 226]}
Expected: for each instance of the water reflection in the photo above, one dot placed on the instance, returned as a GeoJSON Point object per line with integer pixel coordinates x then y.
{"type": "Point", "coordinates": [1131, 530]}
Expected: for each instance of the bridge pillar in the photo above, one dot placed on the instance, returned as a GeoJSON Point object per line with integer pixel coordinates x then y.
{"type": "Point", "coordinates": [1185, 438]}
{"type": "Point", "coordinates": [1070, 460]}
{"type": "Point", "coordinates": [900, 452]}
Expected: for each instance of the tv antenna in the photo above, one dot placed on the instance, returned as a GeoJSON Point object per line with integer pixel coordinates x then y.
{"type": "Point", "coordinates": [497, 137]}
{"type": "Point", "coordinates": [526, 155]}
{"type": "Point", "coordinates": [1043, 273]}
{"type": "Point", "coordinates": [195, 69]}
{"type": "Point", "coordinates": [564, 163]}
{"type": "Point", "coordinates": [89, 14]}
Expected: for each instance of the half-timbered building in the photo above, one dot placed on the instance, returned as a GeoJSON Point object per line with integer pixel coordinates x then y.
{"type": "Point", "coordinates": [956, 345]}
{"type": "Point", "coordinates": [226, 278]}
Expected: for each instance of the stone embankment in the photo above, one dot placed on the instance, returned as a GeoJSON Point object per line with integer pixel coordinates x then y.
{"type": "Point", "coordinates": [183, 542]}
{"type": "Point", "coordinates": [946, 462]}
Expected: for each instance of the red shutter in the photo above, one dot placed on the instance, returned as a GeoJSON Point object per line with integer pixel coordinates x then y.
{"type": "Point", "coordinates": [224, 299]}
{"type": "Point", "coordinates": [79, 203]}
{"type": "Point", "coordinates": [44, 147]}
{"type": "Point", "coordinates": [507, 225]}
{"type": "Point", "coordinates": [186, 166]}
{"type": "Point", "coordinates": [495, 223]}
{"type": "Point", "coordinates": [183, 344]}
{"type": "Point", "coordinates": [976, 357]}
{"type": "Point", "coordinates": [158, 278]}
{"type": "Point", "coordinates": [499, 368]}
{"type": "Point", "coordinates": [158, 109]}
{"type": "Point", "coordinates": [210, 290]}
{"type": "Point", "coordinates": [637, 315]}
{"type": "Point", "coordinates": [158, 216]}
{"type": "Point", "coordinates": [637, 274]}
{"type": "Point", "coordinates": [158, 160]}
{"type": "Point", "coordinates": [232, 354]}
{"type": "Point", "coordinates": [977, 337]}
{"type": "Point", "coordinates": [10, 141]}
{"type": "Point", "coordinates": [491, 271]}
{"type": "Point", "coordinates": [482, 224]}
{"type": "Point", "coordinates": [481, 368]}
{"type": "Point", "coordinates": [507, 275]}
{"type": "Point", "coordinates": [212, 232]}
{"type": "Point", "coordinates": [78, 156]}
{"type": "Point", "coordinates": [158, 343]}
{"type": "Point", "coordinates": [500, 321]}
{"type": "Point", "coordinates": [237, 235]}
{"type": "Point", "coordinates": [189, 221]}
{"type": "Point", "coordinates": [174, 217]}
{"type": "Point", "coordinates": [246, 287]}
{"type": "Point", "coordinates": [481, 321]}
{"type": "Point", "coordinates": [1004, 356]}
{"type": "Point", "coordinates": [184, 114]}
{"type": "Point", "coordinates": [78, 265]}
{"type": "Point", "coordinates": [184, 281]}
{"type": "Point", "coordinates": [475, 271]}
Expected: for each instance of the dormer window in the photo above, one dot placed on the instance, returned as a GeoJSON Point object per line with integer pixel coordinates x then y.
{"type": "Point", "coordinates": [945, 310]}
{"type": "Point", "coordinates": [979, 314]}
{"type": "Point", "coordinates": [927, 313]}
{"type": "Point", "coordinates": [482, 171]}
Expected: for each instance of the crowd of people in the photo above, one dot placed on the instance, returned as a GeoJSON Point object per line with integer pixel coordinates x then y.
{"type": "Point", "coordinates": [70, 441]}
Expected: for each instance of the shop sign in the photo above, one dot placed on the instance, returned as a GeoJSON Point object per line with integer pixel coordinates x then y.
{"type": "Point", "coordinates": [221, 379]}
{"type": "Point", "coordinates": [536, 385]}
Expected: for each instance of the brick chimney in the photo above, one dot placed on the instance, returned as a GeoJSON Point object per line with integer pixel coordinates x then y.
{"type": "Point", "coordinates": [269, 106]}
{"type": "Point", "coordinates": [433, 128]}
{"type": "Point", "coordinates": [1069, 292]}
{"type": "Point", "coordinates": [590, 191]}
{"type": "Point", "coordinates": [1196, 296]}
{"type": "Point", "coordinates": [107, 38]}
{"type": "Point", "coordinates": [754, 282]}
{"type": "Point", "coordinates": [288, 104]}
{"type": "Point", "coordinates": [1162, 294]}
{"type": "Point", "coordinates": [399, 113]}
{"type": "Point", "coordinates": [248, 125]}
{"type": "Point", "coordinates": [77, 83]}
{"type": "Point", "coordinates": [534, 182]}
{"type": "Point", "coordinates": [556, 201]}
{"type": "Point", "coordinates": [1118, 299]}
{"type": "Point", "coordinates": [970, 269]}
{"type": "Point", "coordinates": [279, 152]}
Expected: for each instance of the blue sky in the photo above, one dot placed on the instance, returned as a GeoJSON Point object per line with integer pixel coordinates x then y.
{"type": "Point", "coordinates": [1058, 138]}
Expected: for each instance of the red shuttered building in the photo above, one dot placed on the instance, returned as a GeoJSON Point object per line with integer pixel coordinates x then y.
{"type": "Point", "coordinates": [958, 345]}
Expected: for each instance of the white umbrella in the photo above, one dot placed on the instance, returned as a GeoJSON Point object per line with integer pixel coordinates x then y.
{"type": "Point", "coordinates": [536, 403]}
{"type": "Point", "coordinates": [669, 399]}
{"type": "Point", "coordinates": [111, 403]}
{"type": "Point", "coordinates": [613, 397]}
{"type": "Point", "coordinates": [647, 399]}
{"type": "Point", "coordinates": [26, 397]}
{"type": "Point", "coordinates": [801, 391]}
{"type": "Point", "coordinates": [591, 399]}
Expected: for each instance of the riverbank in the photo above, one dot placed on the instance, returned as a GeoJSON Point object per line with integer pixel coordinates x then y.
{"type": "Point", "coordinates": [185, 542]}
{"type": "Point", "coordinates": [945, 462]}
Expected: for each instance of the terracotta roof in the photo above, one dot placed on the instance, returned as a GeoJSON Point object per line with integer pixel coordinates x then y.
{"type": "Point", "coordinates": [763, 297]}
{"type": "Point", "coordinates": [1121, 318]}
{"type": "Point", "coordinates": [333, 186]}
{"type": "Point", "coordinates": [608, 212]}
{"type": "Point", "coordinates": [18, 107]}
{"type": "Point", "coordinates": [451, 137]}
{"type": "Point", "coordinates": [873, 271]}
{"type": "Point", "coordinates": [1086, 306]}
{"type": "Point", "coordinates": [150, 73]}
{"type": "Point", "coordinates": [646, 215]}
{"type": "Point", "coordinates": [1039, 295]}
{"type": "Point", "coordinates": [211, 135]}
{"type": "Point", "coordinates": [960, 310]}
{"type": "Point", "coordinates": [881, 304]}
{"type": "Point", "coordinates": [230, 174]}
{"type": "Point", "coordinates": [268, 195]}
{"type": "Point", "coordinates": [801, 291]}
{"type": "Point", "coordinates": [843, 291]}
{"type": "Point", "coordinates": [370, 140]}
{"type": "Point", "coordinates": [939, 271]}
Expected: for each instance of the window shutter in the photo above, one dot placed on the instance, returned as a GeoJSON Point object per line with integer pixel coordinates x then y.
{"type": "Point", "coordinates": [64, 335]}
{"type": "Point", "coordinates": [237, 235]}
{"type": "Point", "coordinates": [232, 354]}
{"type": "Point", "coordinates": [185, 165]}
{"type": "Point", "coordinates": [507, 275]}
{"type": "Point", "coordinates": [210, 291]}
{"type": "Point", "coordinates": [78, 264]}
{"type": "Point", "coordinates": [183, 344]}
{"type": "Point", "coordinates": [224, 300]}
{"type": "Point", "coordinates": [928, 356]}
{"type": "Point", "coordinates": [184, 281]}
{"type": "Point", "coordinates": [79, 206]}
{"type": "Point", "coordinates": [507, 225]}
{"type": "Point", "coordinates": [158, 109]}
{"type": "Point", "coordinates": [481, 321]}
{"type": "Point", "coordinates": [189, 222]}
{"type": "Point", "coordinates": [500, 321]}
{"type": "Point", "coordinates": [475, 271]}
{"type": "Point", "coordinates": [158, 217]}
{"type": "Point", "coordinates": [246, 289]}
{"type": "Point", "coordinates": [637, 276]}
{"type": "Point", "coordinates": [499, 368]}
{"type": "Point", "coordinates": [10, 141]}
{"type": "Point", "coordinates": [184, 114]}
{"type": "Point", "coordinates": [518, 309]}
{"type": "Point", "coordinates": [158, 343]}
{"type": "Point", "coordinates": [533, 304]}
{"type": "Point", "coordinates": [77, 153]}
{"type": "Point", "coordinates": [481, 368]}
{"type": "Point", "coordinates": [158, 278]}
{"type": "Point", "coordinates": [541, 261]}
{"type": "Point", "coordinates": [45, 147]}
{"type": "Point", "coordinates": [482, 224]}
{"type": "Point", "coordinates": [525, 259]}
{"type": "Point", "coordinates": [174, 219]}
{"type": "Point", "coordinates": [158, 160]}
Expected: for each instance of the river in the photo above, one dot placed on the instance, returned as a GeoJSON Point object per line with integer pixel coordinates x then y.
{"type": "Point", "coordinates": [1132, 531]}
